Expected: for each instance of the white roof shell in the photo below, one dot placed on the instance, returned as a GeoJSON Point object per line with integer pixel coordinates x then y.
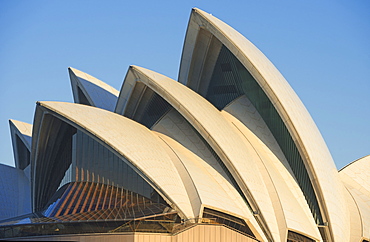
{"type": "Point", "coordinates": [222, 136]}
{"type": "Point", "coordinates": [241, 139]}
{"type": "Point", "coordinates": [131, 140]}
{"type": "Point", "coordinates": [292, 214]}
{"type": "Point", "coordinates": [356, 178]}
{"type": "Point", "coordinates": [318, 161]}
{"type": "Point", "coordinates": [23, 131]}
{"type": "Point", "coordinates": [211, 189]}
{"type": "Point", "coordinates": [98, 93]}
{"type": "Point", "coordinates": [189, 183]}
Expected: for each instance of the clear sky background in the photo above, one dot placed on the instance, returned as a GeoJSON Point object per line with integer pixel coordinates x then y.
{"type": "Point", "coordinates": [321, 47]}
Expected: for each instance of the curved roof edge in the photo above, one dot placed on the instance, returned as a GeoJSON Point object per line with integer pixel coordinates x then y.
{"type": "Point", "coordinates": [227, 142]}
{"type": "Point", "coordinates": [21, 131]}
{"type": "Point", "coordinates": [353, 162]}
{"type": "Point", "coordinates": [126, 92]}
{"type": "Point", "coordinates": [358, 171]}
{"type": "Point", "coordinates": [356, 178]}
{"type": "Point", "coordinates": [90, 90]}
{"type": "Point", "coordinates": [228, 200]}
{"type": "Point", "coordinates": [94, 80]}
{"type": "Point", "coordinates": [136, 144]}
{"type": "Point", "coordinates": [318, 161]}
{"type": "Point", "coordinates": [283, 186]}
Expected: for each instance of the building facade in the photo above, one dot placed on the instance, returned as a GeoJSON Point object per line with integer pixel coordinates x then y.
{"type": "Point", "coordinates": [226, 153]}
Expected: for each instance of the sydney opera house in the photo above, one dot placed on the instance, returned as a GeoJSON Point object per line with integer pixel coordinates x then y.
{"type": "Point", "coordinates": [228, 152]}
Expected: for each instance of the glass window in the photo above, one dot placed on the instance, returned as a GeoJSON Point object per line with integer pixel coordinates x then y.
{"type": "Point", "coordinates": [296, 237]}
{"type": "Point", "coordinates": [217, 217]}
{"type": "Point", "coordinates": [228, 71]}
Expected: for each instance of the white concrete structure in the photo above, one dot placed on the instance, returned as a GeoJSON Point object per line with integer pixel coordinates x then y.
{"type": "Point", "coordinates": [227, 150]}
{"type": "Point", "coordinates": [91, 91]}
{"type": "Point", "coordinates": [21, 134]}
{"type": "Point", "coordinates": [356, 179]}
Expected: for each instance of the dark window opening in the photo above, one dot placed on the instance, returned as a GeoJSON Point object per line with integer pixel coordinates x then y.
{"type": "Point", "coordinates": [82, 98]}
{"type": "Point", "coordinates": [225, 67]}
{"type": "Point", "coordinates": [228, 220]}
{"type": "Point", "coordinates": [154, 110]}
{"type": "Point", "coordinates": [23, 154]}
{"type": "Point", "coordinates": [78, 201]}
{"type": "Point", "coordinates": [295, 237]}
{"type": "Point", "coordinates": [245, 84]}
{"type": "Point", "coordinates": [224, 89]}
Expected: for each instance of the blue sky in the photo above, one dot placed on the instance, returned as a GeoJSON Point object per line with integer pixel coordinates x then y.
{"type": "Point", "coordinates": [321, 47]}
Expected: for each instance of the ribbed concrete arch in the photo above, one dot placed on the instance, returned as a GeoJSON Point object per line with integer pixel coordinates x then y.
{"type": "Point", "coordinates": [358, 171]}
{"type": "Point", "coordinates": [202, 170]}
{"type": "Point", "coordinates": [356, 178]}
{"type": "Point", "coordinates": [212, 189]}
{"type": "Point", "coordinates": [313, 150]}
{"type": "Point", "coordinates": [21, 134]}
{"type": "Point", "coordinates": [130, 90]}
{"type": "Point", "coordinates": [174, 125]}
{"type": "Point", "coordinates": [222, 137]}
{"type": "Point", "coordinates": [295, 214]}
{"type": "Point", "coordinates": [91, 91]}
{"type": "Point", "coordinates": [125, 138]}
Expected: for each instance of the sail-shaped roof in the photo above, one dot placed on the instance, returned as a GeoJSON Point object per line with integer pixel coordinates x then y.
{"type": "Point", "coordinates": [228, 144]}
{"type": "Point", "coordinates": [91, 91]}
{"type": "Point", "coordinates": [208, 36]}
{"type": "Point", "coordinates": [21, 134]}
